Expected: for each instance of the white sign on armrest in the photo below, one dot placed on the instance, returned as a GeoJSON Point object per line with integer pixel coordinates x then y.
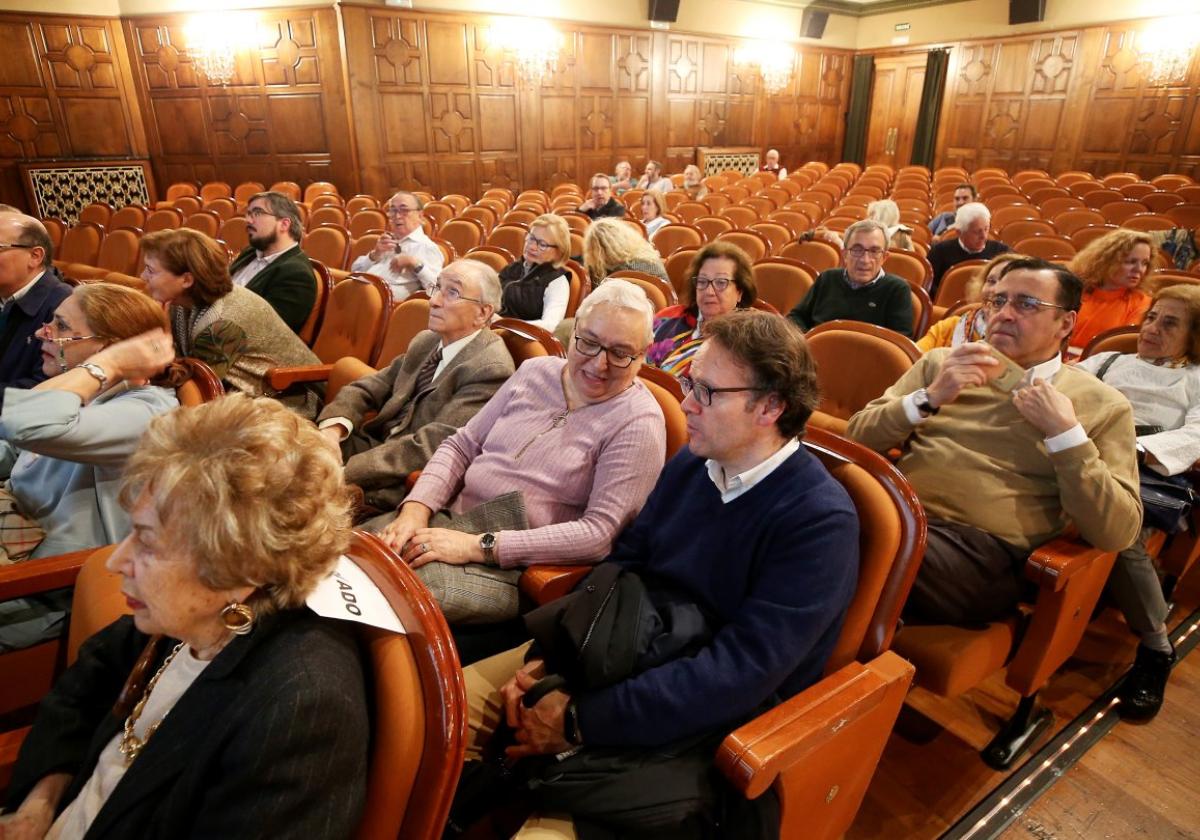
{"type": "Point", "coordinates": [349, 594]}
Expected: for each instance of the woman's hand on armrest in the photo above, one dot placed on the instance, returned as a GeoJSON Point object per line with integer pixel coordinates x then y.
{"type": "Point", "coordinates": [35, 816]}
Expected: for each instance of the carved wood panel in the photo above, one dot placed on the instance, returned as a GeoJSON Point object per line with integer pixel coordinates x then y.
{"type": "Point", "coordinates": [64, 93]}
{"type": "Point", "coordinates": [282, 117]}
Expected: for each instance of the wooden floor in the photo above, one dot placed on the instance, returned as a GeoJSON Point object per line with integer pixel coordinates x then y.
{"type": "Point", "coordinates": [1137, 782]}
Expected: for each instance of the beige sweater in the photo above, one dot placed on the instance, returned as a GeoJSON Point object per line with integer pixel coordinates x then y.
{"type": "Point", "coordinates": [979, 462]}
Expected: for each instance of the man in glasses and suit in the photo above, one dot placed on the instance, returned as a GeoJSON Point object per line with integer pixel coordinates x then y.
{"type": "Point", "coordinates": [272, 265]}
{"type": "Point", "coordinates": [427, 393]}
{"type": "Point", "coordinates": [1007, 448]}
{"type": "Point", "coordinates": [30, 290]}
{"type": "Point", "coordinates": [861, 290]}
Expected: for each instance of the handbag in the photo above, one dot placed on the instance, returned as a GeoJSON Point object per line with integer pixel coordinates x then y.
{"type": "Point", "coordinates": [1166, 500]}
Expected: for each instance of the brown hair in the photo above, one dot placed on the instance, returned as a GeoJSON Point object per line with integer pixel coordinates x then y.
{"type": "Point", "coordinates": [743, 272]}
{"type": "Point", "coordinates": [1097, 260]}
{"type": "Point", "coordinates": [283, 208]}
{"type": "Point", "coordinates": [974, 287]}
{"type": "Point", "coordinates": [1189, 296]}
{"type": "Point", "coordinates": [276, 509]}
{"type": "Point", "coordinates": [775, 351]}
{"type": "Point", "coordinates": [186, 251]}
{"type": "Point", "coordinates": [116, 312]}
{"type": "Point", "coordinates": [657, 198]}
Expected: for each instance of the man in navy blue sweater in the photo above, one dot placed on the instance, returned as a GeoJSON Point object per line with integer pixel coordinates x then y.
{"type": "Point", "coordinates": [749, 524]}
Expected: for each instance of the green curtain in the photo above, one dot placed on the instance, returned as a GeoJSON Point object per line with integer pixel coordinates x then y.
{"type": "Point", "coordinates": [854, 149]}
{"type": "Point", "coordinates": [931, 107]}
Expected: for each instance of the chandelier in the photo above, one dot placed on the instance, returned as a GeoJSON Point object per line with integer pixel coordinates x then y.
{"type": "Point", "coordinates": [533, 45]}
{"type": "Point", "coordinates": [212, 46]}
{"type": "Point", "coordinates": [773, 60]}
{"type": "Point", "coordinates": [1166, 46]}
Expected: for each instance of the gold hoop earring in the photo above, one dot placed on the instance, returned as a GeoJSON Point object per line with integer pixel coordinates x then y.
{"type": "Point", "coordinates": [238, 618]}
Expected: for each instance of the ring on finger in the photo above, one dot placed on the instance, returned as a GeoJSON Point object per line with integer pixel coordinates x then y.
{"type": "Point", "coordinates": [424, 547]}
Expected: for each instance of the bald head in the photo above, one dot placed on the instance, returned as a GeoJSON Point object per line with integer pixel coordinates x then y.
{"type": "Point", "coordinates": [28, 252]}
{"type": "Point", "coordinates": [27, 231]}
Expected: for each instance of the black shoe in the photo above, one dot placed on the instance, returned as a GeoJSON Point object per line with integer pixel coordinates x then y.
{"type": "Point", "coordinates": [1141, 693]}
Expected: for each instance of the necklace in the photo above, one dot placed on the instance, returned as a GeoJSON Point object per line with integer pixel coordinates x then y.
{"type": "Point", "coordinates": [131, 746]}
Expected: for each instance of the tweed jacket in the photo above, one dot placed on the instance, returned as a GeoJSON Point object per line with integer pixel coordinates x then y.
{"type": "Point", "coordinates": [464, 385]}
{"type": "Point", "coordinates": [241, 337]}
{"type": "Point", "coordinates": [21, 359]}
{"type": "Point", "coordinates": [271, 740]}
{"type": "Point", "coordinates": [286, 283]}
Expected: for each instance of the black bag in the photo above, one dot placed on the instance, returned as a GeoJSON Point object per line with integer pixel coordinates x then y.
{"type": "Point", "coordinates": [1166, 500]}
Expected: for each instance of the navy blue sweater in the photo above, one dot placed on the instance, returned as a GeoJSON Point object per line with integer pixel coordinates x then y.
{"type": "Point", "coordinates": [776, 567]}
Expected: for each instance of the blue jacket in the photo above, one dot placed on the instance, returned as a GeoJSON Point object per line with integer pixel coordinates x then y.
{"type": "Point", "coordinates": [20, 358]}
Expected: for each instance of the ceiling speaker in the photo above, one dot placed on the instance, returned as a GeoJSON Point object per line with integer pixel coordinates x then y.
{"type": "Point", "coordinates": [664, 10]}
{"type": "Point", "coordinates": [812, 23]}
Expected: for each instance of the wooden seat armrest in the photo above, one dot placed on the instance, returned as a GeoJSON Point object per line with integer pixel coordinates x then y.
{"type": "Point", "coordinates": [1052, 564]}
{"type": "Point", "coordinates": [41, 575]}
{"type": "Point", "coordinates": [544, 583]}
{"type": "Point", "coordinates": [753, 756]}
{"type": "Point", "coordinates": [10, 746]}
{"type": "Point", "coordinates": [282, 378]}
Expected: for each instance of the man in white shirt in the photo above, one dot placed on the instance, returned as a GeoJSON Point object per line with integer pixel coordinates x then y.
{"type": "Point", "coordinates": [426, 394]}
{"type": "Point", "coordinates": [404, 256]}
{"type": "Point", "coordinates": [653, 178]}
{"type": "Point", "coordinates": [1005, 452]}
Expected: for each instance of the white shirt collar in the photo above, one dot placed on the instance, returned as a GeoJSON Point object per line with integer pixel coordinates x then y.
{"type": "Point", "coordinates": [967, 250]}
{"type": "Point", "coordinates": [743, 482]}
{"type": "Point", "coordinates": [24, 290]}
{"type": "Point", "coordinates": [1043, 370]}
{"type": "Point", "coordinates": [267, 259]}
{"type": "Point", "coordinates": [452, 349]}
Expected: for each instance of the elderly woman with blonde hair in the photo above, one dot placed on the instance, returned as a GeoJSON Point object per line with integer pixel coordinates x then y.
{"type": "Point", "coordinates": [1112, 269]}
{"type": "Point", "coordinates": [612, 245]}
{"type": "Point", "coordinates": [229, 328]}
{"type": "Point", "coordinates": [549, 471]}
{"type": "Point", "coordinates": [537, 287]}
{"type": "Point", "coordinates": [254, 713]}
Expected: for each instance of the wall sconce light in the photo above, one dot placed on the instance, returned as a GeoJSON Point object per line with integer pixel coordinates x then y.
{"type": "Point", "coordinates": [533, 43]}
{"type": "Point", "coordinates": [773, 60]}
{"type": "Point", "coordinates": [1166, 45]}
{"type": "Point", "coordinates": [213, 41]}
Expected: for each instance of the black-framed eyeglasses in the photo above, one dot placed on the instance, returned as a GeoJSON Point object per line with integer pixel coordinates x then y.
{"type": "Point", "coordinates": [258, 213]}
{"type": "Point", "coordinates": [591, 349]}
{"type": "Point", "coordinates": [703, 392]}
{"type": "Point", "coordinates": [540, 244]}
{"type": "Point", "coordinates": [8, 246]}
{"type": "Point", "coordinates": [1023, 304]}
{"type": "Point", "coordinates": [719, 284]}
{"type": "Point", "coordinates": [451, 294]}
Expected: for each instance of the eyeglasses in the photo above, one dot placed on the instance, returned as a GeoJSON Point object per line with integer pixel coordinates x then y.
{"type": "Point", "coordinates": [43, 333]}
{"type": "Point", "coordinates": [451, 294]}
{"type": "Point", "coordinates": [858, 252]}
{"type": "Point", "coordinates": [400, 211]}
{"type": "Point", "coordinates": [258, 213]}
{"type": "Point", "coordinates": [540, 244]}
{"type": "Point", "coordinates": [703, 392]}
{"type": "Point", "coordinates": [591, 349]}
{"type": "Point", "coordinates": [1023, 304]}
{"type": "Point", "coordinates": [8, 246]}
{"type": "Point", "coordinates": [719, 284]}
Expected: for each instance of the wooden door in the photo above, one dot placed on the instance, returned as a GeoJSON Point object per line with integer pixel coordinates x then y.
{"type": "Point", "coordinates": [895, 104]}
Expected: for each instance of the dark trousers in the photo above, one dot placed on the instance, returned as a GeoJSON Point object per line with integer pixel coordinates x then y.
{"type": "Point", "coordinates": [968, 576]}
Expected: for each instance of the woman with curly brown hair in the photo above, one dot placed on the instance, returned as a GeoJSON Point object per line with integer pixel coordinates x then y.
{"type": "Point", "coordinates": [1112, 269]}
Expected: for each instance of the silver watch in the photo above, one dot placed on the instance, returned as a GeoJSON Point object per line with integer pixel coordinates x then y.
{"type": "Point", "coordinates": [96, 371]}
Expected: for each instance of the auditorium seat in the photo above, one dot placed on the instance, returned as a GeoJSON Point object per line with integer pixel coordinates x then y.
{"type": "Point", "coordinates": [81, 244]}
{"type": "Point", "coordinates": [96, 213]}
{"type": "Point", "coordinates": [214, 190]}
{"type": "Point", "coordinates": [1070, 221]}
{"type": "Point", "coordinates": [1148, 222]}
{"type": "Point", "coordinates": [1053, 248]}
{"type": "Point", "coordinates": [327, 214]}
{"type": "Point", "coordinates": [407, 319]}
{"type": "Point", "coordinates": [324, 283]}
{"type": "Point", "coordinates": [1115, 212]}
{"type": "Point", "coordinates": [776, 234]}
{"type": "Point", "coordinates": [677, 266]}
{"type": "Point", "coordinates": [520, 216]}
{"type": "Point", "coordinates": [484, 215]}
{"type": "Point", "coordinates": [718, 201]}
{"type": "Point", "coordinates": [660, 292]}
{"type": "Point", "coordinates": [754, 244]}
{"type": "Point", "coordinates": [223, 207]}
{"type": "Point", "coordinates": [820, 255]}
{"type": "Point", "coordinates": [497, 258]}
{"type": "Point", "coordinates": [209, 223]}
{"type": "Point", "coordinates": [328, 244]}
{"type": "Point", "coordinates": [244, 191]}
{"type": "Point", "coordinates": [909, 266]}
{"type": "Point", "coordinates": [713, 226]}
{"type": "Point", "coordinates": [119, 252]}
{"type": "Point", "coordinates": [636, 224]}
{"type": "Point", "coordinates": [130, 216]}
{"type": "Point", "coordinates": [1084, 236]}
{"type": "Point", "coordinates": [580, 284]}
{"type": "Point", "coordinates": [510, 237]}
{"type": "Point", "coordinates": [795, 221]}
{"type": "Point", "coordinates": [289, 188]}
{"type": "Point", "coordinates": [955, 281]}
{"type": "Point", "coordinates": [783, 282]}
{"type": "Point", "coordinates": [1161, 202]}
{"type": "Point", "coordinates": [1023, 228]}
{"type": "Point", "coordinates": [55, 228]}
{"type": "Point", "coordinates": [233, 232]}
{"type": "Point", "coordinates": [317, 188]}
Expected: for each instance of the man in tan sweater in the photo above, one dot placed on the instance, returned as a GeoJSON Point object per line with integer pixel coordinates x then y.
{"type": "Point", "coordinates": [1002, 471]}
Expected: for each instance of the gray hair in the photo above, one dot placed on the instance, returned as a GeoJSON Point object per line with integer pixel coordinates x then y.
{"type": "Point", "coordinates": [282, 207]}
{"type": "Point", "coordinates": [865, 226]}
{"type": "Point", "coordinates": [969, 212]}
{"type": "Point", "coordinates": [416, 198]}
{"type": "Point", "coordinates": [885, 211]}
{"type": "Point", "coordinates": [484, 276]}
{"type": "Point", "coordinates": [621, 294]}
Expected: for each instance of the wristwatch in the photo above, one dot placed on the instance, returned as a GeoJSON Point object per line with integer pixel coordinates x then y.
{"type": "Point", "coordinates": [418, 268]}
{"type": "Point", "coordinates": [488, 543]}
{"type": "Point", "coordinates": [96, 371]}
{"type": "Point", "coordinates": [921, 399]}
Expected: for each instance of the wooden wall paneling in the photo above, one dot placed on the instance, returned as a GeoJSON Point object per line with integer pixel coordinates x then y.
{"type": "Point", "coordinates": [65, 92]}
{"type": "Point", "coordinates": [284, 116]}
